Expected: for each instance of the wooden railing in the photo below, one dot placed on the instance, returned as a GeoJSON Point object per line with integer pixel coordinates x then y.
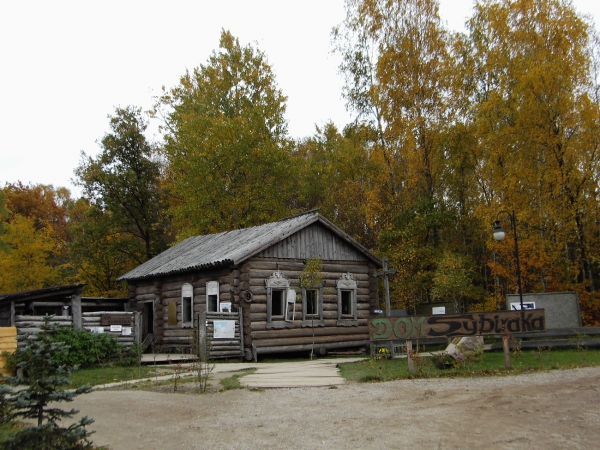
{"type": "Point", "coordinates": [583, 337]}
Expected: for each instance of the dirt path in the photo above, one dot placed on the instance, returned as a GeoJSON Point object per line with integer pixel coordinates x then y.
{"type": "Point", "coordinates": [558, 409]}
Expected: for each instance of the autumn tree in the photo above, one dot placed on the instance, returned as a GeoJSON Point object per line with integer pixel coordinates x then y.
{"type": "Point", "coordinates": [34, 236]}
{"type": "Point", "coordinates": [4, 213]}
{"type": "Point", "coordinates": [535, 115]}
{"type": "Point", "coordinates": [226, 143]}
{"type": "Point", "coordinates": [124, 180]}
{"type": "Point", "coordinates": [400, 71]}
{"type": "Point", "coordinates": [46, 205]}
{"type": "Point", "coordinates": [26, 263]}
{"type": "Point", "coordinates": [335, 172]}
{"type": "Point", "coordinates": [100, 251]}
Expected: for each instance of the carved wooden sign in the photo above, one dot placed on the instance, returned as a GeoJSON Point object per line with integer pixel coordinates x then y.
{"type": "Point", "coordinates": [487, 323]}
{"type": "Point", "coordinates": [113, 319]}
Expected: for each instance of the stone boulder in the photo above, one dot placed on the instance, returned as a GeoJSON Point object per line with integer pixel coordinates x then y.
{"type": "Point", "coordinates": [463, 346]}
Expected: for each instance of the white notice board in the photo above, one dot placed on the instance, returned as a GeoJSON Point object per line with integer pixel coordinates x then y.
{"type": "Point", "coordinates": [224, 329]}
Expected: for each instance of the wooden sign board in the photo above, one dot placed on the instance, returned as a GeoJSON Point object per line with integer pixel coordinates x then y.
{"type": "Point", "coordinates": [113, 319]}
{"type": "Point", "coordinates": [474, 324]}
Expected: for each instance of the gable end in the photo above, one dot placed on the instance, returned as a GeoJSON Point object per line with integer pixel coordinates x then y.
{"type": "Point", "coordinates": [314, 241]}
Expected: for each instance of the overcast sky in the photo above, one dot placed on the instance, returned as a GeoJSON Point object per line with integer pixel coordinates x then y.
{"type": "Point", "coordinates": [65, 65]}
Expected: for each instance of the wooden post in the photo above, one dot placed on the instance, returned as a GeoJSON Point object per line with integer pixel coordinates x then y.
{"type": "Point", "coordinates": [411, 363]}
{"type": "Point", "coordinates": [202, 335]}
{"type": "Point", "coordinates": [506, 348]}
{"type": "Point", "coordinates": [137, 323]}
{"type": "Point", "coordinates": [76, 310]}
{"type": "Point", "coordinates": [12, 313]}
{"type": "Point", "coordinates": [241, 319]}
{"type": "Point", "coordinates": [385, 272]}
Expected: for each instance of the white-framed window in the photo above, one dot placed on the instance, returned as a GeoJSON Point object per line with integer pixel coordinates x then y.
{"type": "Point", "coordinates": [347, 302]}
{"type": "Point", "coordinates": [277, 300]}
{"type": "Point", "coordinates": [312, 306]}
{"type": "Point", "coordinates": [212, 296]}
{"type": "Point", "coordinates": [187, 305]}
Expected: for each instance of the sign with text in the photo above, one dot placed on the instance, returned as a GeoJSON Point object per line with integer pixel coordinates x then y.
{"type": "Point", "coordinates": [473, 324]}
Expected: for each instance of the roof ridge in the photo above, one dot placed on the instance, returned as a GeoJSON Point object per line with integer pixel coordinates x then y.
{"type": "Point", "coordinates": [299, 214]}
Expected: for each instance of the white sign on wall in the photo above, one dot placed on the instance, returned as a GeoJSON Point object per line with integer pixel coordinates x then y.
{"type": "Point", "coordinates": [116, 327]}
{"type": "Point", "coordinates": [526, 305]}
{"type": "Point", "coordinates": [224, 329]}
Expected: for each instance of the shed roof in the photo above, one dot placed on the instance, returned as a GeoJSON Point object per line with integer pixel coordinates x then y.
{"type": "Point", "coordinates": [48, 293]}
{"type": "Point", "coordinates": [233, 247]}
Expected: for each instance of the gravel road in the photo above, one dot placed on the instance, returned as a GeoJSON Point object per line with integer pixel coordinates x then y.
{"type": "Point", "coordinates": [557, 409]}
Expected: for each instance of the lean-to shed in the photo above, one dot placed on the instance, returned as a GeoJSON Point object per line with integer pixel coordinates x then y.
{"type": "Point", "coordinates": [256, 271]}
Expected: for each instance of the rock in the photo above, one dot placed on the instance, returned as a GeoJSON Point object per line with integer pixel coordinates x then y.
{"type": "Point", "coordinates": [460, 347]}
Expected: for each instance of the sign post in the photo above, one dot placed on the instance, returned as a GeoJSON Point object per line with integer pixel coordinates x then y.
{"type": "Point", "coordinates": [409, 350]}
{"type": "Point", "coordinates": [385, 272]}
{"type": "Point", "coordinates": [506, 349]}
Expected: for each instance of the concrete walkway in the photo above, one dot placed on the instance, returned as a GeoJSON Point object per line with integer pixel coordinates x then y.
{"type": "Point", "coordinates": [316, 373]}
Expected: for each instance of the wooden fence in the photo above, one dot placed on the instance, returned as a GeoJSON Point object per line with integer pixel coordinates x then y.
{"type": "Point", "coordinates": [583, 337]}
{"type": "Point", "coordinates": [223, 334]}
{"type": "Point", "coordinates": [8, 345]}
{"type": "Point", "coordinates": [124, 325]}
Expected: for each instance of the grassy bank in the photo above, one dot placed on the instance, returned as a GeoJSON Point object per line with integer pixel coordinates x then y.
{"type": "Point", "coordinates": [491, 364]}
{"type": "Point", "coordinates": [99, 375]}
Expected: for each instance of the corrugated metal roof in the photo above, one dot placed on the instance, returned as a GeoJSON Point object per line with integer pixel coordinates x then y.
{"type": "Point", "coordinates": [231, 247]}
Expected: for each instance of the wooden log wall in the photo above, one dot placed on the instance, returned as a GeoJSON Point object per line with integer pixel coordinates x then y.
{"type": "Point", "coordinates": [91, 320]}
{"type": "Point", "coordinates": [168, 289]}
{"type": "Point", "coordinates": [33, 324]}
{"type": "Point", "coordinates": [294, 336]}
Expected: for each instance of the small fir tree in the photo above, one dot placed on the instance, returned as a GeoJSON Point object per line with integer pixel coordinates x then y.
{"type": "Point", "coordinates": [45, 383]}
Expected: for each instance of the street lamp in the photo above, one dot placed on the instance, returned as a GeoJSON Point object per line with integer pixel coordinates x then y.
{"type": "Point", "coordinates": [499, 235]}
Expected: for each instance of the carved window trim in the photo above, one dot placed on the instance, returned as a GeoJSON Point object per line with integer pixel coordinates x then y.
{"type": "Point", "coordinates": [347, 283]}
{"type": "Point", "coordinates": [187, 305]}
{"type": "Point", "coordinates": [277, 282]}
{"type": "Point", "coordinates": [314, 320]}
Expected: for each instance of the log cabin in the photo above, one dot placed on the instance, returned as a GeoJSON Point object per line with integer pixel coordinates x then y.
{"type": "Point", "coordinates": [254, 274]}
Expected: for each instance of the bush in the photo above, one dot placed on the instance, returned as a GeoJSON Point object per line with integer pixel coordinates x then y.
{"type": "Point", "coordinates": [85, 348]}
{"type": "Point", "coordinates": [132, 356]}
{"type": "Point", "coordinates": [444, 361]}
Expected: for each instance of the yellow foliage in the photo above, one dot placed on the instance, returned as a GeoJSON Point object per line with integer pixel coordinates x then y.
{"type": "Point", "coordinates": [26, 263]}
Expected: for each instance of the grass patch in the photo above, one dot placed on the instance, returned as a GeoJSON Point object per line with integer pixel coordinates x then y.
{"type": "Point", "coordinates": [374, 370]}
{"type": "Point", "coordinates": [112, 374]}
{"type": "Point", "coordinates": [233, 382]}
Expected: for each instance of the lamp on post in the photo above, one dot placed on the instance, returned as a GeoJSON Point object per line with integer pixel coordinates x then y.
{"type": "Point", "coordinates": [499, 235]}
